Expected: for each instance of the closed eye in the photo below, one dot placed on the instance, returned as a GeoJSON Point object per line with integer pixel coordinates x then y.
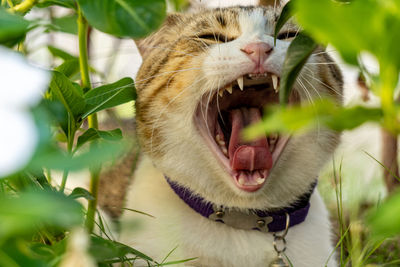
{"type": "Point", "coordinates": [287, 35]}
{"type": "Point", "coordinates": [215, 37]}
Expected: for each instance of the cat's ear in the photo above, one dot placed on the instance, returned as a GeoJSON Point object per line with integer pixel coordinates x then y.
{"type": "Point", "coordinates": [145, 45]}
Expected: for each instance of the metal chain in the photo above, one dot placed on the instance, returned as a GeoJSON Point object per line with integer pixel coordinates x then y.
{"type": "Point", "coordinates": [279, 240]}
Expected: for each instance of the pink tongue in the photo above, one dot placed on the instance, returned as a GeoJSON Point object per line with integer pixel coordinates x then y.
{"type": "Point", "coordinates": [247, 156]}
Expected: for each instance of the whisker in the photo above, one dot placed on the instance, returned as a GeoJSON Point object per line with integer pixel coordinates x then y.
{"type": "Point", "coordinates": [325, 63]}
{"type": "Point", "coordinates": [219, 110]}
{"type": "Point", "coordinates": [324, 52]}
{"type": "Point", "coordinates": [321, 82]}
{"type": "Point", "coordinates": [318, 122]}
{"type": "Point", "coordinates": [313, 87]}
{"type": "Point", "coordinates": [164, 109]}
{"type": "Point", "coordinates": [309, 97]}
{"type": "Point", "coordinates": [207, 106]}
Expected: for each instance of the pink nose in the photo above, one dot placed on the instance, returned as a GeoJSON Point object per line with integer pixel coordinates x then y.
{"type": "Point", "coordinates": [257, 52]}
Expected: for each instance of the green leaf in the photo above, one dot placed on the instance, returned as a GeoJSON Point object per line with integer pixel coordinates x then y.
{"type": "Point", "coordinates": [54, 158]}
{"type": "Point", "coordinates": [23, 214]}
{"type": "Point", "coordinates": [344, 25]}
{"type": "Point", "coordinates": [12, 27]}
{"type": "Point", "coordinates": [180, 5]}
{"type": "Point", "coordinates": [69, 67]}
{"type": "Point", "coordinates": [18, 252]}
{"type": "Point", "coordinates": [297, 55]}
{"type": "Point", "coordinates": [286, 14]}
{"type": "Point", "coordinates": [67, 94]}
{"type": "Point", "coordinates": [104, 250]}
{"type": "Point", "coordinates": [14, 2]}
{"type": "Point", "coordinates": [57, 52]}
{"type": "Point", "coordinates": [63, 3]}
{"type": "Point", "coordinates": [385, 220]}
{"type": "Point", "coordinates": [92, 134]}
{"type": "Point", "coordinates": [310, 116]}
{"type": "Point", "coordinates": [109, 95]}
{"type": "Point", "coordinates": [52, 112]}
{"type": "Point", "coordinates": [124, 18]}
{"type": "Point", "coordinates": [79, 192]}
{"type": "Point", "coordinates": [67, 24]}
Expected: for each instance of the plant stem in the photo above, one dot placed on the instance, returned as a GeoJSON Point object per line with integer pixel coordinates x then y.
{"type": "Point", "coordinates": [9, 2]}
{"type": "Point", "coordinates": [92, 119]}
{"type": "Point", "coordinates": [24, 6]}
{"type": "Point", "coordinates": [70, 143]}
{"type": "Point", "coordinates": [83, 51]}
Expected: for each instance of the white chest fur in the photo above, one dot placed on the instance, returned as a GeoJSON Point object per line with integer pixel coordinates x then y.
{"type": "Point", "coordinates": [214, 244]}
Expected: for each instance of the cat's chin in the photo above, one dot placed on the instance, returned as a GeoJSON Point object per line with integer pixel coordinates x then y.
{"type": "Point", "coordinates": [223, 113]}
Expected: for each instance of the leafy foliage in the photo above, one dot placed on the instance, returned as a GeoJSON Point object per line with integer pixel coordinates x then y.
{"type": "Point", "coordinates": [124, 18]}
{"type": "Point", "coordinates": [36, 215]}
{"type": "Point", "coordinates": [384, 221]}
{"type": "Point", "coordinates": [296, 57]}
{"type": "Point", "coordinates": [109, 95]}
{"type": "Point", "coordinates": [12, 28]}
{"type": "Point", "coordinates": [24, 213]}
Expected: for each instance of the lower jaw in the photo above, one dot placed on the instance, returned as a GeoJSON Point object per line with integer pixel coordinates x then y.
{"type": "Point", "coordinates": [225, 164]}
{"type": "Point", "coordinates": [275, 157]}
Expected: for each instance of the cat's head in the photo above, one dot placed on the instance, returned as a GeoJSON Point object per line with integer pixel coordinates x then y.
{"type": "Point", "coordinates": [207, 75]}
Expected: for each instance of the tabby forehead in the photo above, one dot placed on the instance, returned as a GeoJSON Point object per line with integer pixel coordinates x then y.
{"type": "Point", "coordinates": [256, 22]}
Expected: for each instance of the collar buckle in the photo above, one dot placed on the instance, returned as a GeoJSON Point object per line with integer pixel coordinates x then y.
{"type": "Point", "coordinates": [240, 220]}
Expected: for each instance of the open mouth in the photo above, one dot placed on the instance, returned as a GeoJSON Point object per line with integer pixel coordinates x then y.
{"type": "Point", "coordinates": [221, 117]}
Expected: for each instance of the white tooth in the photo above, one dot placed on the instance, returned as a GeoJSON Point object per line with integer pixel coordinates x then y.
{"type": "Point", "coordinates": [221, 92]}
{"type": "Point", "coordinates": [275, 82]}
{"type": "Point", "coordinates": [225, 151]}
{"type": "Point", "coordinates": [241, 181]}
{"type": "Point", "coordinates": [221, 143]}
{"type": "Point", "coordinates": [260, 180]}
{"type": "Point", "coordinates": [218, 138]}
{"type": "Point", "coordinates": [229, 88]}
{"type": "Point", "coordinates": [240, 82]}
{"type": "Point", "coordinates": [273, 136]}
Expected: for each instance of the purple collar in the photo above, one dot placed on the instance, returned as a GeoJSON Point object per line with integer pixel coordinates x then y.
{"type": "Point", "coordinates": [252, 219]}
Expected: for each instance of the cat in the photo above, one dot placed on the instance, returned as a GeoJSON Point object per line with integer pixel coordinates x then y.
{"type": "Point", "coordinates": [204, 77]}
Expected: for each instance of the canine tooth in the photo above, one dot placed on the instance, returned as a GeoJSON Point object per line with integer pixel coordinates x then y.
{"type": "Point", "coordinates": [241, 181]}
{"type": "Point", "coordinates": [260, 180]}
{"type": "Point", "coordinates": [240, 82]}
{"type": "Point", "coordinates": [225, 151]}
{"type": "Point", "coordinates": [271, 148]}
{"type": "Point", "coordinates": [229, 88]}
{"type": "Point", "coordinates": [275, 82]}
{"type": "Point", "coordinates": [221, 92]}
{"type": "Point", "coordinates": [273, 136]}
